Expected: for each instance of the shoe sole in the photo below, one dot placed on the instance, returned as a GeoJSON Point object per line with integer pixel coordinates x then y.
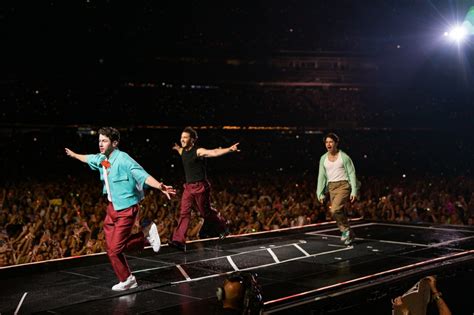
{"type": "Point", "coordinates": [349, 241]}
{"type": "Point", "coordinates": [223, 236]}
{"type": "Point", "coordinates": [133, 286]}
{"type": "Point", "coordinates": [156, 249]}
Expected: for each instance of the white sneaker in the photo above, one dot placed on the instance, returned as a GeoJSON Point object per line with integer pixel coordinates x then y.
{"type": "Point", "coordinates": [130, 283]}
{"type": "Point", "coordinates": [154, 238]}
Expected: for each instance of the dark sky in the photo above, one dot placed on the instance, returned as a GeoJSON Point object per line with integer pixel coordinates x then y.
{"type": "Point", "coordinates": [80, 36]}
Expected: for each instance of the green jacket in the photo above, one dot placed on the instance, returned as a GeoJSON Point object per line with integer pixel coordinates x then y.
{"type": "Point", "coordinates": [126, 178]}
{"type": "Point", "coordinates": [323, 179]}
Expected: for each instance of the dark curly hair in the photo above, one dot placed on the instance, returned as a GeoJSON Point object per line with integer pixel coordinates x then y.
{"type": "Point", "coordinates": [331, 135]}
{"type": "Point", "coordinates": [111, 133]}
{"type": "Point", "coordinates": [192, 133]}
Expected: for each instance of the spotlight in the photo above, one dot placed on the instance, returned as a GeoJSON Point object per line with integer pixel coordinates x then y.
{"type": "Point", "coordinates": [457, 34]}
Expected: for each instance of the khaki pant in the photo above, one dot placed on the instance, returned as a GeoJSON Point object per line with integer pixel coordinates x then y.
{"type": "Point", "coordinates": [339, 193]}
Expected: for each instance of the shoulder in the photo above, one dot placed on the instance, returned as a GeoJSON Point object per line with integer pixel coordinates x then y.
{"type": "Point", "coordinates": [95, 155]}
{"type": "Point", "coordinates": [344, 154]}
{"type": "Point", "coordinates": [198, 151]}
{"type": "Point", "coordinates": [122, 155]}
{"type": "Point", "coordinates": [125, 158]}
{"type": "Point", "coordinates": [193, 149]}
{"type": "Point", "coordinates": [95, 158]}
{"type": "Point", "coordinates": [346, 159]}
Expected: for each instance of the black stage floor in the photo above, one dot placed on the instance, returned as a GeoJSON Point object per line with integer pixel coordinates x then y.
{"type": "Point", "coordinates": [295, 267]}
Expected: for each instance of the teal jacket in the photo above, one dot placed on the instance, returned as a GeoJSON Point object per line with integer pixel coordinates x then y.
{"type": "Point", "coordinates": [126, 178]}
{"type": "Point", "coordinates": [323, 179]}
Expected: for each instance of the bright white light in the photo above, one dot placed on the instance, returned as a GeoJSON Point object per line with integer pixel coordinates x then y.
{"type": "Point", "coordinates": [457, 34]}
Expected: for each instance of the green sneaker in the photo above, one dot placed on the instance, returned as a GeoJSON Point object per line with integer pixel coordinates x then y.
{"type": "Point", "coordinates": [348, 237]}
{"type": "Point", "coordinates": [345, 235]}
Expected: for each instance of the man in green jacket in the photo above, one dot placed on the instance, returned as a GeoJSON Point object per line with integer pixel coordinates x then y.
{"type": "Point", "coordinates": [337, 175]}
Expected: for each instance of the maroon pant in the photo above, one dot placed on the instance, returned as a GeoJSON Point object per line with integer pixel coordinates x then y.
{"type": "Point", "coordinates": [117, 228]}
{"type": "Point", "coordinates": [198, 193]}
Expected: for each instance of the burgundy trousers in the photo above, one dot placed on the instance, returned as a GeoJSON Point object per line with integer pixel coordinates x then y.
{"type": "Point", "coordinates": [199, 194]}
{"type": "Point", "coordinates": [117, 229]}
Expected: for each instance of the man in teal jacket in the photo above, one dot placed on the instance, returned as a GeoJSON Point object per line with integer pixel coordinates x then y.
{"type": "Point", "coordinates": [124, 180]}
{"type": "Point", "coordinates": [337, 175]}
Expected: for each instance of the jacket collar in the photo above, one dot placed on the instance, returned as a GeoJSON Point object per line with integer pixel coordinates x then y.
{"type": "Point", "coordinates": [113, 156]}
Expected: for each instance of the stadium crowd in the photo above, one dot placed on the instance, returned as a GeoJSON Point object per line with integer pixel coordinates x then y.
{"type": "Point", "coordinates": [61, 214]}
{"type": "Point", "coordinates": [180, 104]}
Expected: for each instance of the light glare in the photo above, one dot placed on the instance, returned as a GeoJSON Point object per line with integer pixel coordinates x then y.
{"type": "Point", "coordinates": [458, 34]}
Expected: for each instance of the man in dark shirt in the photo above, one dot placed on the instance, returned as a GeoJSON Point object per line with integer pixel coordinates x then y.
{"type": "Point", "coordinates": [197, 189]}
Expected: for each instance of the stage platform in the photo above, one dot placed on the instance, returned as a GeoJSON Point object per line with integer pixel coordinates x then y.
{"type": "Point", "coordinates": [303, 270]}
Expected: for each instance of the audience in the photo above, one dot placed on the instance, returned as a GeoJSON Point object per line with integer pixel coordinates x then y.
{"type": "Point", "coordinates": [49, 208]}
{"type": "Point", "coordinates": [40, 221]}
{"type": "Point", "coordinates": [350, 106]}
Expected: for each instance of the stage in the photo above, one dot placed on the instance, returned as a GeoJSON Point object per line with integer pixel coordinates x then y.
{"type": "Point", "coordinates": [303, 270]}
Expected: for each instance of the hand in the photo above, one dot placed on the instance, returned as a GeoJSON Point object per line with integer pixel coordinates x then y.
{"type": "Point", "coordinates": [78, 231]}
{"type": "Point", "coordinates": [397, 301]}
{"type": "Point", "coordinates": [432, 283]}
{"type": "Point", "coordinates": [176, 147]}
{"type": "Point", "coordinates": [69, 152]}
{"type": "Point", "coordinates": [45, 238]}
{"type": "Point", "coordinates": [233, 148]}
{"type": "Point", "coordinates": [353, 198]}
{"type": "Point", "coordinates": [321, 200]}
{"type": "Point", "coordinates": [167, 190]}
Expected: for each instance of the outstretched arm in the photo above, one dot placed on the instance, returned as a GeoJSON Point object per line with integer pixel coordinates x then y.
{"type": "Point", "coordinates": [167, 190]}
{"type": "Point", "coordinates": [178, 148]}
{"type": "Point", "coordinates": [80, 157]}
{"type": "Point", "coordinates": [217, 152]}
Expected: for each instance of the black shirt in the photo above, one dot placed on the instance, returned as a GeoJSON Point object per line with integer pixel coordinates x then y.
{"type": "Point", "coordinates": [194, 166]}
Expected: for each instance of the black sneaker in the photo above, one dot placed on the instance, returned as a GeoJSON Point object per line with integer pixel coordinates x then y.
{"type": "Point", "coordinates": [210, 230]}
{"type": "Point", "coordinates": [177, 245]}
{"type": "Point", "coordinates": [223, 235]}
{"type": "Point", "coordinates": [204, 231]}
